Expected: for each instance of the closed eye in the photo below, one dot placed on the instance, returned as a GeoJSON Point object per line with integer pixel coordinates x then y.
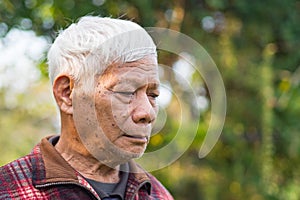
{"type": "Point", "coordinates": [125, 93]}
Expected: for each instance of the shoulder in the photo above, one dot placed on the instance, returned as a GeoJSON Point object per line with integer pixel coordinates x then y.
{"type": "Point", "coordinates": [16, 175]}
{"type": "Point", "coordinates": [158, 191]}
{"type": "Point", "coordinates": [15, 171]}
{"type": "Point", "coordinates": [20, 168]}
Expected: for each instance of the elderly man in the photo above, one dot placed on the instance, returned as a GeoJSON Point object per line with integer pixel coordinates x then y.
{"type": "Point", "coordinates": [105, 82]}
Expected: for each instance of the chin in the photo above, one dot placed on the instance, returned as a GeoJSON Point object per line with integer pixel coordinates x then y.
{"type": "Point", "coordinates": [127, 155]}
{"type": "Point", "coordinates": [133, 153]}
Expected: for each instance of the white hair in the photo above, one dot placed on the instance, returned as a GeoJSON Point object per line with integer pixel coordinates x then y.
{"type": "Point", "coordinates": [87, 48]}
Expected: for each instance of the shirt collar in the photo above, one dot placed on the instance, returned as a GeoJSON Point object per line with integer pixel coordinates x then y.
{"type": "Point", "coordinates": [54, 168]}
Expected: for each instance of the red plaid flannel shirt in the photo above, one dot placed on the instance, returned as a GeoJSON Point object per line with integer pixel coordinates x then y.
{"type": "Point", "coordinates": [44, 174]}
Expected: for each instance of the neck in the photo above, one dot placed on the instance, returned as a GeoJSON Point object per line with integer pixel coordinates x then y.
{"type": "Point", "coordinates": [73, 151]}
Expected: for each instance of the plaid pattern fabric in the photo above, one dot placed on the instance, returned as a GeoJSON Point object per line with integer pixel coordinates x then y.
{"type": "Point", "coordinates": [44, 174]}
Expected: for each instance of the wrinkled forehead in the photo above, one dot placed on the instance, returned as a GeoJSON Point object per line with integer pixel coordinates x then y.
{"type": "Point", "coordinates": [147, 65]}
{"type": "Point", "coordinates": [140, 72]}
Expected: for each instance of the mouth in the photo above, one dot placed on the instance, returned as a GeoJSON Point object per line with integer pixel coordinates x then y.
{"type": "Point", "coordinates": [137, 138]}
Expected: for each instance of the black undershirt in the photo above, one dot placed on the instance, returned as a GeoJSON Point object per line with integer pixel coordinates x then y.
{"type": "Point", "coordinates": [112, 191]}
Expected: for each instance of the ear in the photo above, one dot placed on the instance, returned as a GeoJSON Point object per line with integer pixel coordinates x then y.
{"type": "Point", "coordinates": [62, 90]}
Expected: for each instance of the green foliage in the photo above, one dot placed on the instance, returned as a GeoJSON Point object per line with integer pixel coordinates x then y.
{"type": "Point", "coordinates": [26, 121]}
{"type": "Point", "coordinates": [254, 44]}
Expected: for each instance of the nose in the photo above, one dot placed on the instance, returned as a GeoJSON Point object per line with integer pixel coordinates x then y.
{"type": "Point", "coordinates": [144, 111]}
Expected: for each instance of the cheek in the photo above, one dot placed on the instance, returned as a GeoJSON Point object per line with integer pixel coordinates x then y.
{"type": "Point", "coordinates": [103, 111]}
{"type": "Point", "coordinates": [112, 114]}
{"type": "Point", "coordinates": [120, 117]}
{"type": "Point", "coordinates": [120, 107]}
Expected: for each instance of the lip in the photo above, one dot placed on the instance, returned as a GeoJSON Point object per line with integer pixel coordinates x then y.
{"type": "Point", "coordinates": [137, 139]}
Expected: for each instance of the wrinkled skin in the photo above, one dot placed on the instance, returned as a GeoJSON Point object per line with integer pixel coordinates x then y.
{"type": "Point", "coordinates": [105, 128]}
{"type": "Point", "coordinates": [125, 104]}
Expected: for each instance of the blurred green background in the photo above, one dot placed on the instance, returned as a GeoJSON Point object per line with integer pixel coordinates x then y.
{"type": "Point", "coordinates": [255, 46]}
